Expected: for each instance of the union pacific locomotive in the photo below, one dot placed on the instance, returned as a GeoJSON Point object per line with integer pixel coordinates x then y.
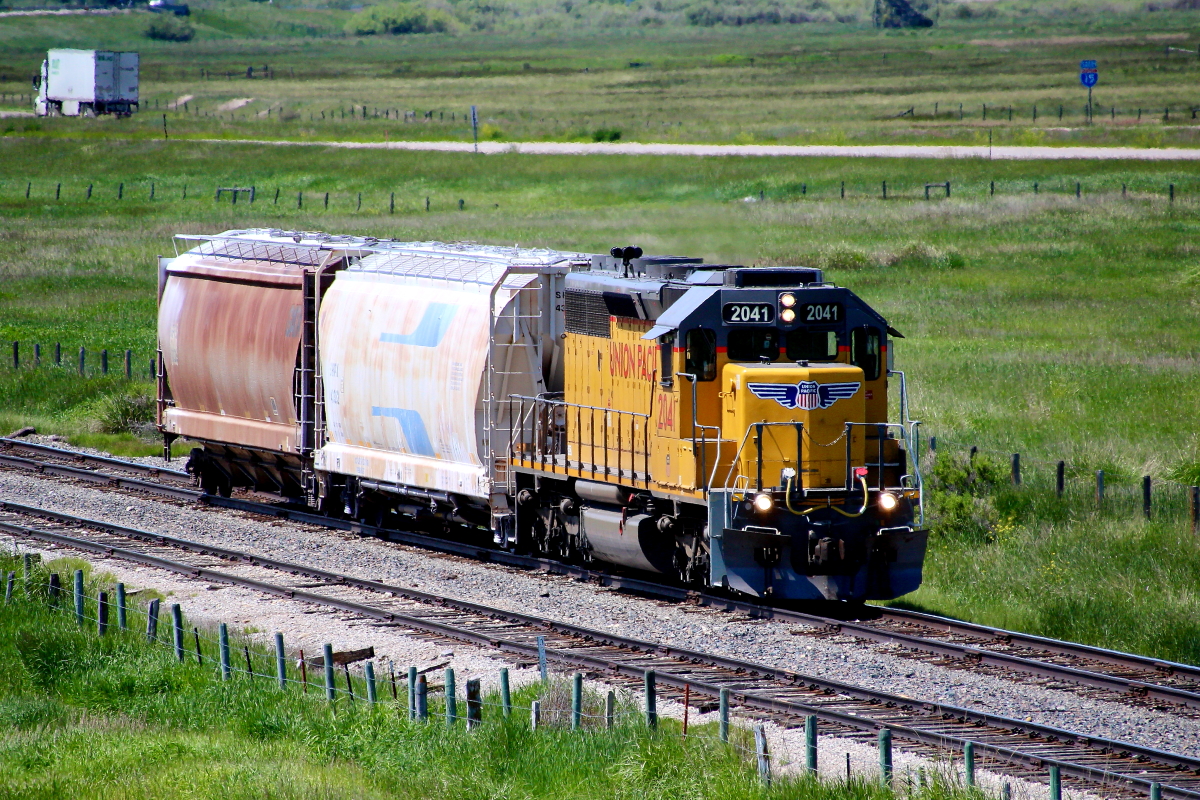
{"type": "Point", "coordinates": [723, 426]}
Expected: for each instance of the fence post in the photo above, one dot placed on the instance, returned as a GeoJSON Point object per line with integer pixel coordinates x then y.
{"type": "Point", "coordinates": [651, 704]}
{"type": "Point", "coordinates": [8, 587]}
{"type": "Point", "coordinates": [177, 628]}
{"type": "Point", "coordinates": [610, 709]}
{"type": "Point", "coordinates": [223, 644]}
{"type": "Point", "coordinates": [16, 360]}
{"type": "Point", "coordinates": [474, 704]}
{"type": "Point", "coordinates": [79, 596]}
{"type": "Point", "coordinates": [1195, 493]}
{"type": "Point", "coordinates": [280, 661]}
{"type": "Point", "coordinates": [152, 621]}
{"type": "Point", "coordinates": [1060, 478]}
{"type": "Point", "coordinates": [969, 762]}
{"type": "Point", "coordinates": [764, 758]}
{"type": "Point", "coordinates": [102, 613]}
{"type": "Point", "coordinates": [392, 204]}
{"type": "Point", "coordinates": [104, 362]}
{"type": "Point", "coordinates": [810, 743]}
{"type": "Point", "coordinates": [369, 672]}
{"type": "Point", "coordinates": [505, 693]}
{"type": "Point", "coordinates": [412, 693]}
{"type": "Point", "coordinates": [27, 574]}
{"type": "Point", "coordinates": [122, 610]}
{"type": "Point", "coordinates": [535, 715]}
{"type": "Point", "coordinates": [1099, 487]}
{"type": "Point", "coordinates": [1146, 495]}
{"type": "Point", "coordinates": [1078, 190]}
{"type": "Point", "coordinates": [885, 190]}
{"type": "Point", "coordinates": [723, 707]}
{"type": "Point", "coordinates": [1156, 791]}
{"type": "Point", "coordinates": [58, 354]}
{"type": "Point", "coordinates": [885, 755]}
{"type": "Point", "coordinates": [1016, 469]}
{"type": "Point", "coordinates": [576, 701]}
{"type": "Point", "coordinates": [1171, 189]}
{"type": "Point", "coordinates": [55, 588]}
{"type": "Point", "coordinates": [541, 646]}
{"type": "Point", "coordinates": [128, 365]}
{"type": "Point", "coordinates": [451, 700]}
{"type": "Point", "coordinates": [422, 698]}
{"type": "Point", "coordinates": [82, 357]}
{"type": "Point", "coordinates": [330, 689]}
{"type": "Point", "coordinates": [1055, 784]}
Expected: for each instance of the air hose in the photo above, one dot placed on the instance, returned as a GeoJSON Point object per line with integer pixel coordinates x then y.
{"type": "Point", "coordinates": [787, 496]}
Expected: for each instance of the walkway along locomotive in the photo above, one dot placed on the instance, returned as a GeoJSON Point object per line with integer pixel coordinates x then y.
{"type": "Point", "coordinates": [722, 426]}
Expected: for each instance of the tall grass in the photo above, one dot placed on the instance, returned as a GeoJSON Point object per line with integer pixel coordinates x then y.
{"type": "Point", "coordinates": [116, 716]}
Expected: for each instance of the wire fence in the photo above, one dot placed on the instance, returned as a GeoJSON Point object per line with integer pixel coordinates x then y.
{"type": "Point", "coordinates": [1108, 493]}
{"type": "Point", "coordinates": [84, 362]}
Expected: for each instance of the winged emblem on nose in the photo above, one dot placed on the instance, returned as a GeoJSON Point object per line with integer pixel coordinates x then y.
{"type": "Point", "coordinates": [805, 394]}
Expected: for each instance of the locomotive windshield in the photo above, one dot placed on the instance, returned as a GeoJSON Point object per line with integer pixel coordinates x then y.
{"type": "Point", "coordinates": [753, 344]}
{"type": "Point", "coordinates": [805, 345]}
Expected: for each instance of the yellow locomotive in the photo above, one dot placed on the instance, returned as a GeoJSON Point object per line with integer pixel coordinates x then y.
{"type": "Point", "coordinates": [720, 425]}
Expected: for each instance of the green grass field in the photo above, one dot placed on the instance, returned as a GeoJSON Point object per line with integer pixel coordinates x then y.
{"type": "Point", "coordinates": [118, 717]}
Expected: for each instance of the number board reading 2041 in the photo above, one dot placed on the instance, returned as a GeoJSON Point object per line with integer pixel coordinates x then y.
{"type": "Point", "coordinates": [815, 313]}
{"type": "Point", "coordinates": [748, 313]}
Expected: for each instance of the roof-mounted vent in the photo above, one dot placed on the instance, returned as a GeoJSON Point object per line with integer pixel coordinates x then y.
{"type": "Point", "coordinates": [771, 277]}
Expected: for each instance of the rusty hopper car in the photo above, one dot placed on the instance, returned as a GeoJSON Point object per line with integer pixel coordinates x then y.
{"type": "Point", "coordinates": [719, 425]}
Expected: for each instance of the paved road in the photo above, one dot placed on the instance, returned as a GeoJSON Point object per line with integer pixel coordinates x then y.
{"type": "Point", "coordinates": [817, 150]}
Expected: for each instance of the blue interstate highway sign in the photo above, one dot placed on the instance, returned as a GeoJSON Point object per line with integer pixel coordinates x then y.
{"type": "Point", "coordinates": [1089, 76]}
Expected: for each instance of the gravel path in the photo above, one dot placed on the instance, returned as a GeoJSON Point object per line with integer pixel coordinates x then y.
{"type": "Point", "coordinates": [839, 658]}
{"type": "Point", "coordinates": [799, 150]}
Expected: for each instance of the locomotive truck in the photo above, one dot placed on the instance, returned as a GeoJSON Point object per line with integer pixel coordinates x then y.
{"type": "Point", "coordinates": [718, 425]}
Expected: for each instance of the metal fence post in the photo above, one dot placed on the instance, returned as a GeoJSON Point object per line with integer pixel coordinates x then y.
{"type": "Point", "coordinates": [152, 621]}
{"type": "Point", "coordinates": [651, 704]}
{"type": "Point", "coordinates": [723, 707]}
{"type": "Point", "coordinates": [280, 661]}
{"type": "Point", "coordinates": [885, 755]}
{"type": "Point", "coordinates": [1099, 487]}
{"type": "Point", "coordinates": [1060, 478]}
{"type": "Point", "coordinates": [541, 647]}
{"type": "Point", "coordinates": [412, 693]}
{"type": "Point", "coordinates": [505, 693]}
{"type": "Point", "coordinates": [1146, 495]}
{"type": "Point", "coordinates": [369, 672]}
{"type": "Point", "coordinates": [122, 610]}
{"type": "Point", "coordinates": [1055, 784]}
{"type": "Point", "coordinates": [104, 362]}
{"type": "Point", "coordinates": [535, 715]}
{"type": "Point", "coordinates": [422, 698]}
{"type": "Point", "coordinates": [576, 701]}
{"type": "Point", "coordinates": [55, 589]}
{"type": "Point", "coordinates": [451, 700]}
{"type": "Point", "coordinates": [128, 365]}
{"type": "Point", "coordinates": [610, 709]}
{"type": "Point", "coordinates": [1016, 469]}
{"type": "Point", "coordinates": [79, 596]}
{"type": "Point", "coordinates": [810, 743]}
{"type": "Point", "coordinates": [177, 629]}
{"type": "Point", "coordinates": [969, 762]}
{"type": "Point", "coordinates": [330, 688]}
{"type": "Point", "coordinates": [1195, 497]}
{"type": "Point", "coordinates": [223, 644]}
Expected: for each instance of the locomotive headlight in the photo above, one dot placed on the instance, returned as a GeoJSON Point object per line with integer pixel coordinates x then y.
{"type": "Point", "coordinates": [787, 299]}
{"type": "Point", "coordinates": [787, 315]}
{"type": "Point", "coordinates": [888, 501]}
{"type": "Point", "coordinates": [763, 502]}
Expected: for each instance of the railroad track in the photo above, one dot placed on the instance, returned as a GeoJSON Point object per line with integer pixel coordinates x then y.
{"type": "Point", "coordinates": [1023, 749]}
{"type": "Point", "coordinates": [1163, 685]}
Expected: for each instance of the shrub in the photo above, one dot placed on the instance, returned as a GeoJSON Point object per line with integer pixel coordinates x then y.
{"type": "Point", "coordinates": [605, 135]}
{"type": "Point", "coordinates": [170, 29]}
{"type": "Point", "coordinates": [400, 18]}
{"type": "Point", "coordinates": [129, 411]}
{"type": "Point", "coordinates": [919, 254]}
{"type": "Point", "coordinates": [844, 256]}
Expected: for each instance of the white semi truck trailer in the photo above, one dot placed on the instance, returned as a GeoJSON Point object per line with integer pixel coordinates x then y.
{"type": "Point", "coordinates": [86, 83]}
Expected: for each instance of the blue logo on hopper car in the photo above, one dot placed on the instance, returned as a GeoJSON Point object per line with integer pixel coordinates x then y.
{"type": "Point", "coordinates": [805, 394]}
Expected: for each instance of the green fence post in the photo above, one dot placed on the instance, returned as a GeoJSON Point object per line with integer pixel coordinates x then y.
{"type": "Point", "coordinates": [885, 755]}
{"type": "Point", "coordinates": [723, 707]}
{"type": "Point", "coordinates": [330, 689]}
{"type": "Point", "coordinates": [369, 672]}
{"type": "Point", "coordinates": [651, 704]}
{"type": "Point", "coordinates": [422, 698]}
{"type": "Point", "coordinates": [576, 701]}
{"type": "Point", "coordinates": [1055, 783]}
{"type": "Point", "coordinates": [810, 743]}
{"type": "Point", "coordinates": [505, 693]}
{"type": "Point", "coordinates": [451, 700]}
{"type": "Point", "coordinates": [223, 639]}
{"type": "Point", "coordinates": [280, 661]}
{"type": "Point", "coordinates": [969, 762]}
{"type": "Point", "coordinates": [102, 613]}
{"type": "Point", "coordinates": [152, 621]}
{"type": "Point", "coordinates": [79, 596]}
{"type": "Point", "coordinates": [412, 693]}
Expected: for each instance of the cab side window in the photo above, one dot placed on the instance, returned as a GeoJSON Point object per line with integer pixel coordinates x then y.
{"type": "Point", "coordinates": [666, 347]}
{"type": "Point", "coordinates": [701, 346]}
{"type": "Point", "coordinates": [865, 351]}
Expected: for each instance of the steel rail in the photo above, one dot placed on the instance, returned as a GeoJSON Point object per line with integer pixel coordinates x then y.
{"type": "Point", "coordinates": [7, 443]}
{"type": "Point", "coordinates": [891, 705]}
{"type": "Point", "coordinates": [1144, 688]}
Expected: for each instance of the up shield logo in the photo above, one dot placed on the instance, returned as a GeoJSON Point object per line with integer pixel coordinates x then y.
{"type": "Point", "coordinates": [805, 394]}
